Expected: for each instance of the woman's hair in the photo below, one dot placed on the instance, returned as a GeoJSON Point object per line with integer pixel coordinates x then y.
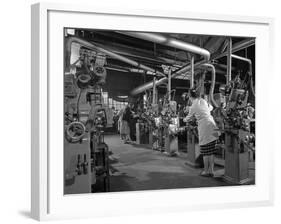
{"type": "Point", "coordinates": [193, 93]}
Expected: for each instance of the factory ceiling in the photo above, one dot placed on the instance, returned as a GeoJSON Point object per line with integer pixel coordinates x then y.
{"type": "Point", "coordinates": [156, 55]}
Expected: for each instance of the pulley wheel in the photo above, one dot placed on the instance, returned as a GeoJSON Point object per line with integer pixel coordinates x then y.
{"type": "Point", "coordinates": [75, 131]}
{"type": "Point", "coordinates": [99, 71]}
{"type": "Point", "coordinates": [84, 78]}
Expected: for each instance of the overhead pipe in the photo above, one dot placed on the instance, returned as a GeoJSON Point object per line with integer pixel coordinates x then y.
{"type": "Point", "coordinates": [158, 82]}
{"type": "Point", "coordinates": [91, 46]}
{"type": "Point", "coordinates": [157, 38]}
{"type": "Point", "coordinates": [171, 42]}
{"type": "Point", "coordinates": [249, 61]}
{"type": "Point", "coordinates": [213, 81]}
{"type": "Point", "coordinates": [237, 47]}
{"type": "Point", "coordinates": [201, 88]}
{"type": "Point", "coordinates": [222, 66]}
{"type": "Point", "coordinates": [136, 55]}
{"type": "Point", "coordinates": [163, 80]}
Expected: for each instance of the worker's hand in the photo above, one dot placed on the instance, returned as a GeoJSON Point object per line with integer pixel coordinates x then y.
{"type": "Point", "coordinates": [216, 134]}
{"type": "Point", "coordinates": [186, 109]}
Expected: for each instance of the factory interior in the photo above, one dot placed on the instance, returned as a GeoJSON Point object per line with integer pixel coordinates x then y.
{"type": "Point", "coordinates": [128, 118]}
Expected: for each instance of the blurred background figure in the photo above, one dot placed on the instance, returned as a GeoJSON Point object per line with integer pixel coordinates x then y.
{"type": "Point", "coordinates": [125, 115]}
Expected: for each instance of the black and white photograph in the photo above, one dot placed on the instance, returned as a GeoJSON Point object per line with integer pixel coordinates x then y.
{"type": "Point", "coordinates": [157, 111]}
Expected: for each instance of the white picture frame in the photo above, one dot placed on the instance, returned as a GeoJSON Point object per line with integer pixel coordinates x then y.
{"type": "Point", "coordinates": [47, 201]}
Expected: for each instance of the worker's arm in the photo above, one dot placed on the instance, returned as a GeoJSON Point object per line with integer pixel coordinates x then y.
{"type": "Point", "coordinates": [210, 107]}
{"type": "Point", "coordinates": [120, 112]}
{"type": "Point", "coordinates": [191, 113]}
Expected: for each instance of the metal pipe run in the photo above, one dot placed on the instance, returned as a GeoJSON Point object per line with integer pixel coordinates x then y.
{"type": "Point", "coordinates": [249, 61]}
{"type": "Point", "coordinates": [172, 42]}
{"type": "Point", "coordinates": [237, 47]}
{"type": "Point", "coordinates": [213, 81]}
{"type": "Point", "coordinates": [149, 85]}
{"type": "Point", "coordinates": [91, 46]}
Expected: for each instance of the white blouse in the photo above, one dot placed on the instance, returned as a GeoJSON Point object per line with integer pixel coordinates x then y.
{"type": "Point", "coordinates": [207, 128]}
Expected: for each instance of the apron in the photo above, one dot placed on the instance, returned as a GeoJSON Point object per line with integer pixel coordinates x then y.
{"type": "Point", "coordinates": [207, 130]}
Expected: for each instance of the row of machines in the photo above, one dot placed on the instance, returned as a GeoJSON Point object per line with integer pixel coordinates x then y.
{"type": "Point", "coordinates": [86, 155]}
{"type": "Point", "coordinates": [234, 114]}
{"type": "Point", "coordinates": [158, 124]}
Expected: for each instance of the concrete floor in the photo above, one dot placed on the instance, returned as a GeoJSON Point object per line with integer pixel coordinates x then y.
{"type": "Point", "coordinates": [136, 167]}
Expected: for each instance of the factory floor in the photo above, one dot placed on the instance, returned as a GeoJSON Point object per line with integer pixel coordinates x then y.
{"type": "Point", "coordinates": [136, 167]}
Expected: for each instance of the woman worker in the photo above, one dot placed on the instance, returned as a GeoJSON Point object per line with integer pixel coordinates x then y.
{"type": "Point", "coordinates": [124, 119]}
{"type": "Point", "coordinates": [207, 132]}
{"type": "Point", "coordinates": [120, 126]}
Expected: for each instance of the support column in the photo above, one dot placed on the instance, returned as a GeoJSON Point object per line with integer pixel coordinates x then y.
{"type": "Point", "coordinates": [192, 72]}
{"type": "Point", "coordinates": [154, 91]}
{"type": "Point", "coordinates": [229, 61]}
{"type": "Point", "coordinates": [169, 84]}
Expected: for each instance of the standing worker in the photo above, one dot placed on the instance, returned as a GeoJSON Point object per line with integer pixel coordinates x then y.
{"type": "Point", "coordinates": [125, 117]}
{"type": "Point", "coordinates": [207, 130]}
{"type": "Point", "coordinates": [120, 123]}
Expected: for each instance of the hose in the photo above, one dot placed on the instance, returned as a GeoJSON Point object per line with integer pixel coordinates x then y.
{"type": "Point", "coordinates": [252, 86]}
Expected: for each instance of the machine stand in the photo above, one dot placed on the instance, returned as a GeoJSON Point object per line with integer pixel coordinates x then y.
{"type": "Point", "coordinates": [171, 143]}
{"type": "Point", "coordinates": [193, 151]}
{"type": "Point", "coordinates": [142, 135]}
{"type": "Point", "coordinates": [236, 159]}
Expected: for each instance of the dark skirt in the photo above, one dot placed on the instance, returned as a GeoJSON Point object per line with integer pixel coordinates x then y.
{"type": "Point", "coordinates": [208, 149]}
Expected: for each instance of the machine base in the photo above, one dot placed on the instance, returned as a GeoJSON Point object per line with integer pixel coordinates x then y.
{"type": "Point", "coordinates": [234, 181]}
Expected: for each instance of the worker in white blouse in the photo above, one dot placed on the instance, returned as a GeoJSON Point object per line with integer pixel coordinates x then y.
{"type": "Point", "coordinates": [207, 130]}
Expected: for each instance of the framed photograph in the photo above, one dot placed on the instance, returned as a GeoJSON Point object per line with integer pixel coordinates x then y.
{"type": "Point", "coordinates": [148, 111]}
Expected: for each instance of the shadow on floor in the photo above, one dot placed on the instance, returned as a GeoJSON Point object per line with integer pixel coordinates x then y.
{"type": "Point", "coordinates": [121, 182]}
{"type": "Point", "coordinates": [158, 181]}
{"type": "Point", "coordinates": [25, 214]}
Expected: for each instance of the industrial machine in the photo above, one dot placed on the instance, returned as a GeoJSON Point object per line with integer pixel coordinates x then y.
{"type": "Point", "coordinates": [86, 163]}
{"type": "Point", "coordinates": [193, 150]}
{"type": "Point", "coordinates": [239, 129]}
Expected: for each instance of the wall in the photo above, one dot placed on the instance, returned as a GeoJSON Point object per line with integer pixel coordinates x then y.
{"type": "Point", "coordinates": [15, 110]}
